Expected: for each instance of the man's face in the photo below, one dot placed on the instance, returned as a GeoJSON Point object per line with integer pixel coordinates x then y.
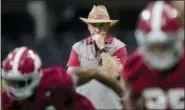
{"type": "Point", "coordinates": [98, 28]}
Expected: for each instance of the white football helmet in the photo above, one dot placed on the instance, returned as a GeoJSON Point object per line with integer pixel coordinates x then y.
{"type": "Point", "coordinates": [21, 72]}
{"type": "Point", "coordinates": [160, 35]}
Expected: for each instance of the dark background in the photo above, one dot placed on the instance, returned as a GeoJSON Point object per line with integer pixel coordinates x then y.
{"type": "Point", "coordinates": [63, 26]}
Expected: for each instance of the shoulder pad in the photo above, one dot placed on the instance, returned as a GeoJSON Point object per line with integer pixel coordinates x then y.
{"type": "Point", "coordinates": [132, 66]}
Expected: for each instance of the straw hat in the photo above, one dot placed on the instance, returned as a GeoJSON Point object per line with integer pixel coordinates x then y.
{"type": "Point", "coordinates": [99, 14]}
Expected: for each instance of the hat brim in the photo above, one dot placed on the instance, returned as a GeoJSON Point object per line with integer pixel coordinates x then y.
{"type": "Point", "coordinates": [112, 22]}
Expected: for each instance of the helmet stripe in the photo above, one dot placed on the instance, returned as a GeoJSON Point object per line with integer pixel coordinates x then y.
{"type": "Point", "coordinates": [156, 19]}
{"type": "Point", "coordinates": [17, 58]}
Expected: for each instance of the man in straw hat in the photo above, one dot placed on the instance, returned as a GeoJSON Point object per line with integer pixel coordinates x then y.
{"type": "Point", "coordinates": [94, 50]}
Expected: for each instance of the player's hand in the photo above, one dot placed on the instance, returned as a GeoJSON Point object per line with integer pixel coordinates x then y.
{"type": "Point", "coordinates": [99, 41]}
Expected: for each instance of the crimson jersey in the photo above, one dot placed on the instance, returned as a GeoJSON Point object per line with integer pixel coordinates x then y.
{"type": "Point", "coordinates": [55, 92]}
{"type": "Point", "coordinates": [160, 90]}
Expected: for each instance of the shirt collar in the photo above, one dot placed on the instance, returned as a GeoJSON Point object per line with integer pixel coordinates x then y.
{"type": "Point", "coordinates": [108, 39]}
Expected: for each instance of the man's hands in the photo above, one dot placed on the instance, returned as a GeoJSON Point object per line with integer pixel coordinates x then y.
{"type": "Point", "coordinates": [111, 65]}
{"type": "Point", "coordinates": [84, 74]}
{"type": "Point", "coordinates": [99, 40]}
{"type": "Point", "coordinates": [107, 75]}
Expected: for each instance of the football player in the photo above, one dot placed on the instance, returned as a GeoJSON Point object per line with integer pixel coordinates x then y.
{"type": "Point", "coordinates": [29, 87]}
{"type": "Point", "coordinates": [154, 73]}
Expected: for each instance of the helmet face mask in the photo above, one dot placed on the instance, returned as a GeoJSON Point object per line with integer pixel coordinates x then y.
{"type": "Point", "coordinates": [159, 48]}
{"type": "Point", "coordinates": [18, 89]}
{"type": "Point", "coordinates": [161, 44]}
{"type": "Point", "coordinates": [161, 52]}
{"type": "Point", "coordinates": [161, 61]}
{"type": "Point", "coordinates": [18, 83]}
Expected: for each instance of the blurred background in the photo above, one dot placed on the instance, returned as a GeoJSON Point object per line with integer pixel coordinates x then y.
{"type": "Point", "coordinates": [51, 27]}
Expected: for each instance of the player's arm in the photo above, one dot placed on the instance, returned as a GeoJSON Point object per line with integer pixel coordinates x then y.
{"type": "Point", "coordinates": [133, 100]}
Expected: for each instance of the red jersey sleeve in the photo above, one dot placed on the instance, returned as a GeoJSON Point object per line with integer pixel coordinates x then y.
{"type": "Point", "coordinates": [73, 59]}
{"type": "Point", "coordinates": [121, 54]}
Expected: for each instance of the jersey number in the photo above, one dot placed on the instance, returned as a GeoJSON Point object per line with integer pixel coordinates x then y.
{"type": "Point", "coordinates": [50, 108]}
{"type": "Point", "coordinates": [158, 99]}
